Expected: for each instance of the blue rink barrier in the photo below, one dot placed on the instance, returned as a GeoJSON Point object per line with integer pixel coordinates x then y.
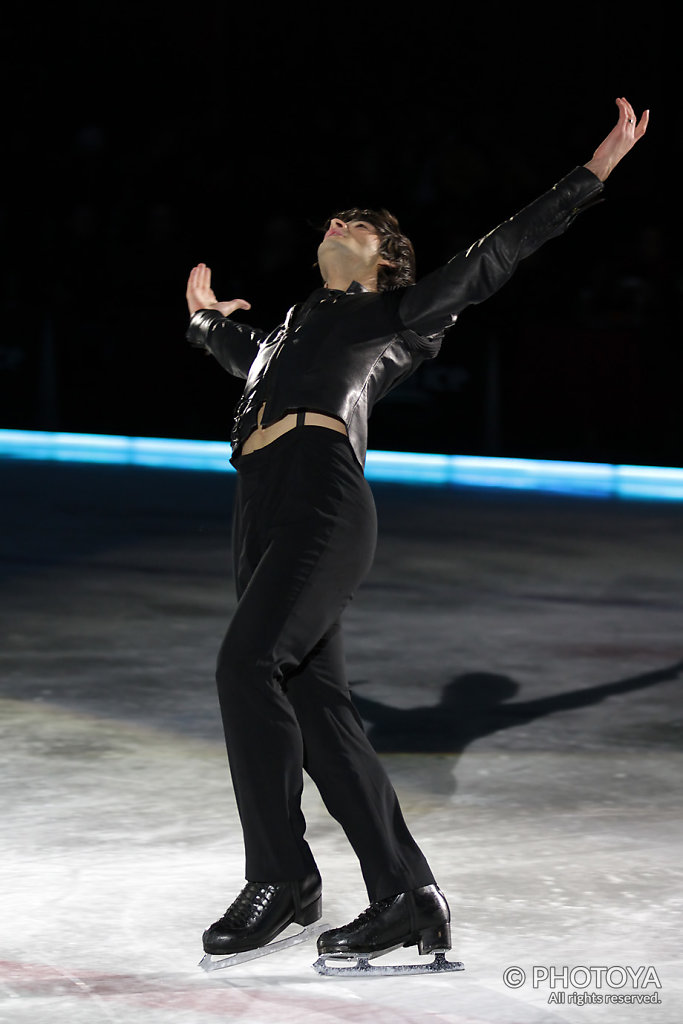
{"type": "Point", "coordinates": [600, 480]}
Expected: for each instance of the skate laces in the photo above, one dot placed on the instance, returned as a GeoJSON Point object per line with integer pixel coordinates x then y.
{"type": "Point", "coordinates": [251, 902]}
{"type": "Point", "coordinates": [369, 913]}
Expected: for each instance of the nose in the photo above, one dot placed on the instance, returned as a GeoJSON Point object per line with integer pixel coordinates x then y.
{"type": "Point", "coordinates": [337, 223]}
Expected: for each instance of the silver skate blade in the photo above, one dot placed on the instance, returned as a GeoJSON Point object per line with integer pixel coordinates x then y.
{"type": "Point", "coordinates": [216, 962]}
{"type": "Point", "coordinates": [362, 968]}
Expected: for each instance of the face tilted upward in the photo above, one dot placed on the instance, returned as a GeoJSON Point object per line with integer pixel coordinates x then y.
{"type": "Point", "coordinates": [351, 248]}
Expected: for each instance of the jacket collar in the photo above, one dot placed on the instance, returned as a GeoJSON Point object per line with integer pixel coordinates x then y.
{"type": "Point", "coordinates": [355, 287]}
{"type": "Point", "coordinates": [323, 294]}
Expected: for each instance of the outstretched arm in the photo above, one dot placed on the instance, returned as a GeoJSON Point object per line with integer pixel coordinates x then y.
{"type": "Point", "coordinates": [620, 140]}
{"type": "Point", "coordinates": [435, 302]}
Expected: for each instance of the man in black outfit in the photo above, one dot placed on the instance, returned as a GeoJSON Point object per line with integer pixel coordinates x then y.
{"type": "Point", "coordinates": [304, 537]}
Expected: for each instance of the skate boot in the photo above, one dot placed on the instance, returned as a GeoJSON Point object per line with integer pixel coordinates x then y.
{"type": "Point", "coordinates": [261, 912]}
{"type": "Point", "coordinates": [420, 917]}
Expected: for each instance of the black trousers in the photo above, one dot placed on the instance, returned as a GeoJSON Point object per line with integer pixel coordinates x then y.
{"type": "Point", "coordinates": [304, 537]}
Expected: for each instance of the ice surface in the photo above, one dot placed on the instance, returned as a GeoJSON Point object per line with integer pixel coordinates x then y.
{"type": "Point", "coordinates": [531, 725]}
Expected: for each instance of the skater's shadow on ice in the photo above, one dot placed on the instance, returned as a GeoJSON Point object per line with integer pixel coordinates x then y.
{"type": "Point", "coordinates": [477, 704]}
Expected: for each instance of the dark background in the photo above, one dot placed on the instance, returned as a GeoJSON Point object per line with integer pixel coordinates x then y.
{"type": "Point", "coordinates": [140, 139]}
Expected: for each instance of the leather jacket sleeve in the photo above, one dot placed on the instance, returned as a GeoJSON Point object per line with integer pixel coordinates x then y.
{"type": "Point", "coordinates": [435, 302]}
{"type": "Point", "coordinates": [234, 345]}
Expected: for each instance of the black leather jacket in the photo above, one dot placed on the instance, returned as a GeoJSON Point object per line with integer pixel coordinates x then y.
{"type": "Point", "coordinates": [340, 352]}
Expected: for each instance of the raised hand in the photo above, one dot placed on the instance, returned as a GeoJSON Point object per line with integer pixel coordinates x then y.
{"type": "Point", "coordinates": [200, 294]}
{"type": "Point", "coordinates": [620, 140]}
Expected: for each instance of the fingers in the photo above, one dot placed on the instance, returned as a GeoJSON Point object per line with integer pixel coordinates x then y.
{"type": "Point", "coordinates": [200, 295]}
{"type": "Point", "coordinates": [625, 108]}
{"type": "Point", "coordinates": [200, 278]}
{"type": "Point", "coordinates": [204, 275]}
{"type": "Point", "coordinates": [226, 308]}
{"type": "Point", "coordinates": [620, 140]}
{"type": "Point", "coordinates": [641, 127]}
{"type": "Point", "coordinates": [628, 119]}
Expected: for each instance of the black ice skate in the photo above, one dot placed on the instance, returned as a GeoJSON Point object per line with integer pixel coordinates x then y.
{"type": "Point", "coordinates": [420, 917]}
{"type": "Point", "coordinates": [260, 913]}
